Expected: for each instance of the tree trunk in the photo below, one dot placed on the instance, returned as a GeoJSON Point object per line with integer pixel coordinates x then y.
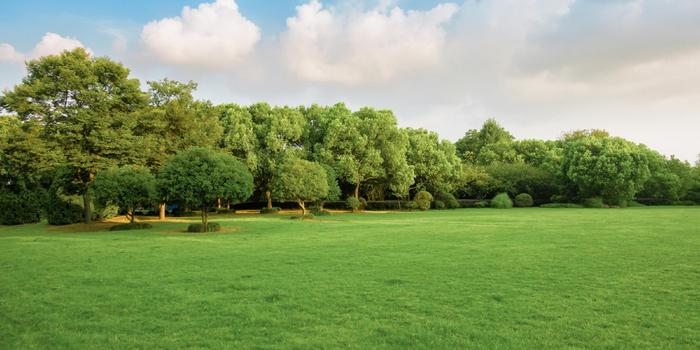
{"type": "Point", "coordinates": [130, 214]}
{"type": "Point", "coordinates": [269, 199]}
{"type": "Point", "coordinates": [228, 205]}
{"type": "Point", "coordinates": [357, 190]}
{"type": "Point", "coordinates": [86, 207]}
{"type": "Point", "coordinates": [161, 210]}
{"type": "Point", "coordinates": [205, 221]}
{"type": "Point", "coordinates": [303, 208]}
{"type": "Point", "coordinates": [218, 203]}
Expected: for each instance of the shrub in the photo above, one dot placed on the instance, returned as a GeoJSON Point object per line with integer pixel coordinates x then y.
{"type": "Point", "coordinates": [423, 199]}
{"type": "Point", "coordinates": [502, 201]}
{"type": "Point", "coordinates": [363, 203]}
{"type": "Point", "coordinates": [558, 198]}
{"type": "Point", "coordinates": [595, 202]}
{"type": "Point", "coordinates": [439, 205]}
{"type": "Point", "coordinates": [131, 226]}
{"type": "Point", "coordinates": [62, 212]}
{"type": "Point", "coordinates": [448, 199]}
{"type": "Point", "coordinates": [302, 217]}
{"type": "Point", "coordinates": [106, 213]}
{"type": "Point", "coordinates": [321, 213]}
{"type": "Point", "coordinates": [225, 211]}
{"type": "Point", "coordinates": [199, 227]}
{"type": "Point", "coordinates": [635, 204]}
{"type": "Point", "coordinates": [523, 200]}
{"type": "Point", "coordinates": [481, 204]}
{"type": "Point", "coordinates": [20, 208]}
{"type": "Point", "coordinates": [353, 203]}
{"type": "Point", "coordinates": [273, 210]}
{"type": "Point", "coordinates": [561, 205]}
{"type": "Point", "coordinates": [412, 205]}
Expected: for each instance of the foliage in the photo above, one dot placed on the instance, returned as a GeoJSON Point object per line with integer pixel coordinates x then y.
{"type": "Point", "coordinates": [131, 226]}
{"type": "Point", "coordinates": [308, 216]}
{"type": "Point", "coordinates": [197, 177]}
{"type": "Point", "coordinates": [127, 187]}
{"type": "Point", "coordinates": [353, 203]}
{"type": "Point", "coordinates": [435, 163]}
{"type": "Point", "coordinates": [60, 211]}
{"type": "Point", "coordinates": [423, 199]}
{"type": "Point", "coordinates": [438, 204]}
{"type": "Point", "coordinates": [20, 208]}
{"type": "Point", "coordinates": [611, 168]}
{"type": "Point", "coordinates": [481, 204]}
{"type": "Point", "coordinates": [492, 143]}
{"type": "Point", "coordinates": [595, 202]}
{"type": "Point", "coordinates": [273, 210]}
{"type": "Point", "coordinates": [501, 201]}
{"type": "Point", "coordinates": [201, 227]}
{"type": "Point", "coordinates": [300, 181]}
{"type": "Point", "coordinates": [411, 205]}
{"type": "Point", "coordinates": [523, 200]}
{"type": "Point", "coordinates": [448, 200]}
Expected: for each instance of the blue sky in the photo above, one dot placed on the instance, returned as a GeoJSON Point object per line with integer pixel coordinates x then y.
{"type": "Point", "coordinates": [540, 67]}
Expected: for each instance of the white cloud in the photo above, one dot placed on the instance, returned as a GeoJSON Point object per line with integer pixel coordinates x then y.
{"type": "Point", "coordinates": [50, 44]}
{"type": "Point", "coordinates": [9, 54]}
{"type": "Point", "coordinates": [213, 35]}
{"type": "Point", "coordinates": [351, 47]}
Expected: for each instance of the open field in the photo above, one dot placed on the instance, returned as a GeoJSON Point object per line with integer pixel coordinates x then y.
{"type": "Point", "coordinates": [469, 278]}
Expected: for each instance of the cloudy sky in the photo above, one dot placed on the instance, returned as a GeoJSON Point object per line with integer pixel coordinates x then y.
{"type": "Point", "coordinates": [540, 67]}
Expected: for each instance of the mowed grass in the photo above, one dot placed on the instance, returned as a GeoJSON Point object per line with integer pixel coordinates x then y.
{"type": "Point", "coordinates": [470, 278]}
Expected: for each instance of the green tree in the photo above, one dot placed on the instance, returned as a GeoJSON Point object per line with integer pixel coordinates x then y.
{"type": "Point", "coordinates": [299, 180]}
{"type": "Point", "coordinates": [86, 106]}
{"type": "Point", "coordinates": [612, 168]}
{"type": "Point", "coordinates": [492, 143]}
{"type": "Point", "coordinates": [435, 163]}
{"type": "Point", "coordinates": [198, 177]}
{"type": "Point", "coordinates": [127, 187]}
{"type": "Point", "coordinates": [24, 155]}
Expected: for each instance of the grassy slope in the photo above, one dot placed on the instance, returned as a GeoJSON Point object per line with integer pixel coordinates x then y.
{"type": "Point", "coordinates": [522, 278]}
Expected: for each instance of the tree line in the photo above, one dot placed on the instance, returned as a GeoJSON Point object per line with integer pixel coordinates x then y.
{"type": "Point", "coordinates": [79, 127]}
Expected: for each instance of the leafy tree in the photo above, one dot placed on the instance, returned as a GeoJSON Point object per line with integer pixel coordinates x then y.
{"type": "Point", "coordinates": [367, 146]}
{"type": "Point", "coordinates": [435, 163]}
{"type": "Point", "coordinates": [87, 109]}
{"type": "Point", "coordinates": [24, 155]}
{"type": "Point", "coordinates": [611, 168]}
{"type": "Point", "coordinates": [515, 178]}
{"type": "Point", "coordinates": [492, 143]}
{"type": "Point", "coordinates": [333, 187]}
{"type": "Point", "coordinates": [299, 180]}
{"type": "Point", "coordinates": [175, 121]}
{"type": "Point", "coordinates": [239, 136]}
{"type": "Point", "coordinates": [197, 177]}
{"type": "Point", "coordinates": [475, 182]}
{"type": "Point", "coordinates": [127, 187]}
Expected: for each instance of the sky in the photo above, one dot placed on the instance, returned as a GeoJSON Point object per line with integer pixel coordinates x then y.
{"type": "Point", "coordinates": [539, 67]}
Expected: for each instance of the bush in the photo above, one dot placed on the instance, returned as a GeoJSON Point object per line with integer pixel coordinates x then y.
{"type": "Point", "coordinates": [386, 205]}
{"type": "Point", "coordinates": [502, 201]}
{"type": "Point", "coordinates": [20, 208]}
{"type": "Point", "coordinates": [353, 203]}
{"type": "Point", "coordinates": [423, 199]}
{"type": "Point", "coordinates": [273, 210]}
{"type": "Point", "coordinates": [635, 204]}
{"type": "Point", "coordinates": [412, 205]}
{"type": "Point", "coordinates": [363, 203]}
{"type": "Point", "coordinates": [686, 202]}
{"type": "Point", "coordinates": [106, 213]}
{"type": "Point", "coordinates": [439, 205]}
{"type": "Point", "coordinates": [321, 213]}
{"type": "Point", "coordinates": [199, 227]}
{"type": "Point", "coordinates": [561, 205]}
{"type": "Point", "coordinates": [448, 199]}
{"type": "Point", "coordinates": [131, 226]}
{"type": "Point", "coordinates": [225, 211]}
{"type": "Point", "coordinates": [523, 200]}
{"type": "Point", "coordinates": [302, 217]}
{"type": "Point", "coordinates": [62, 212]}
{"type": "Point", "coordinates": [481, 204]}
{"type": "Point", "coordinates": [595, 202]}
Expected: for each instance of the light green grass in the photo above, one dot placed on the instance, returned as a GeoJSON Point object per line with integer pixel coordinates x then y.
{"type": "Point", "coordinates": [462, 279]}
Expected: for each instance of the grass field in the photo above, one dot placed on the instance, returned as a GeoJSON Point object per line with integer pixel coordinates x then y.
{"type": "Point", "coordinates": [470, 278]}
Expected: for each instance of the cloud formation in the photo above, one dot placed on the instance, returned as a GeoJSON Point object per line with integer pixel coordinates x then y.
{"type": "Point", "coordinates": [352, 47]}
{"type": "Point", "coordinates": [50, 44]}
{"type": "Point", "coordinates": [213, 35]}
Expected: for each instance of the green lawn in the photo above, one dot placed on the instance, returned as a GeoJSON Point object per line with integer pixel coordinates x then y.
{"type": "Point", "coordinates": [470, 278]}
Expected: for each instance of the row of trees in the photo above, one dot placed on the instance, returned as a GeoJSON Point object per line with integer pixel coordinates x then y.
{"type": "Point", "coordinates": [75, 119]}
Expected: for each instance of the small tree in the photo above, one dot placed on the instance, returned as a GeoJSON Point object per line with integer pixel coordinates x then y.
{"type": "Point", "coordinates": [300, 180]}
{"type": "Point", "coordinates": [127, 187]}
{"type": "Point", "coordinates": [197, 177]}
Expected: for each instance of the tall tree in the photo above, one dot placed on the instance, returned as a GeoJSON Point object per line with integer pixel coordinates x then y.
{"type": "Point", "coordinates": [127, 187]}
{"type": "Point", "coordinates": [300, 181]}
{"type": "Point", "coordinates": [492, 143]}
{"type": "Point", "coordinates": [87, 107]}
{"type": "Point", "coordinates": [436, 165]}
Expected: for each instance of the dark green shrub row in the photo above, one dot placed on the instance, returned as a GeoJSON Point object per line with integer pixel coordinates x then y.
{"type": "Point", "coordinates": [273, 210]}
{"type": "Point", "coordinates": [20, 208]}
{"type": "Point", "coordinates": [448, 201]}
{"type": "Point", "coordinates": [595, 202]}
{"type": "Point", "coordinates": [561, 205]}
{"type": "Point", "coordinates": [62, 212]}
{"type": "Point", "coordinates": [199, 227]}
{"type": "Point", "coordinates": [131, 226]}
{"type": "Point", "coordinates": [225, 211]}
